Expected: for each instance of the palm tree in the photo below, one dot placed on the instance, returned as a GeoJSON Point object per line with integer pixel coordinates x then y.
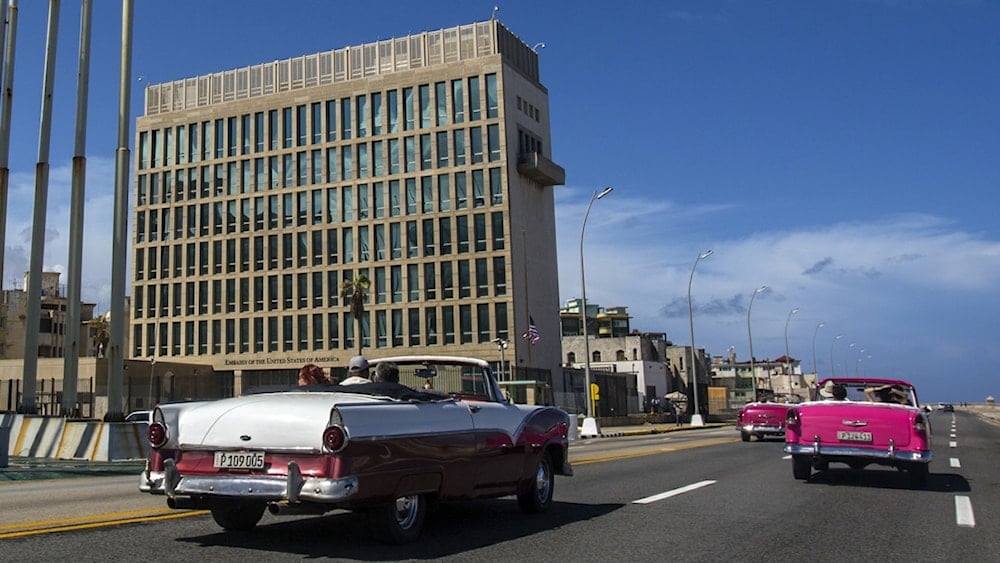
{"type": "Point", "coordinates": [100, 333]}
{"type": "Point", "coordinates": [356, 289]}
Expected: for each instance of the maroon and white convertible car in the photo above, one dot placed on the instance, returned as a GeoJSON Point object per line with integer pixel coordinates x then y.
{"type": "Point", "coordinates": [859, 422]}
{"type": "Point", "coordinates": [385, 449]}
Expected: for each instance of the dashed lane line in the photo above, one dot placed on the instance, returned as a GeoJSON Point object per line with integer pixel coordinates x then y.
{"type": "Point", "coordinates": [674, 492]}
{"type": "Point", "coordinates": [963, 512]}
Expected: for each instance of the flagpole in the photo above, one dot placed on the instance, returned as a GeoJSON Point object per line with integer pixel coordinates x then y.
{"type": "Point", "coordinates": [527, 307]}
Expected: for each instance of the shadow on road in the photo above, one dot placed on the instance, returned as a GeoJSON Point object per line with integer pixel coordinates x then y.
{"type": "Point", "coordinates": [450, 529]}
{"type": "Point", "coordinates": [884, 478]}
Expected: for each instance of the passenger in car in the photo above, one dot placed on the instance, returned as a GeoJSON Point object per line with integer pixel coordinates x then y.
{"type": "Point", "coordinates": [887, 394]}
{"type": "Point", "coordinates": [839, 393]}
{"type": "Point", "coordinates": [387, 372]}
{"type": "Point", "coordinates": [311, 374]}
{"type": "Point", "coordinates": [357, 369]}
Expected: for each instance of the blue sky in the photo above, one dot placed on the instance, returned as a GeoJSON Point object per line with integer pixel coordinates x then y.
{"type": "Point", "coordinates": [846, 154]}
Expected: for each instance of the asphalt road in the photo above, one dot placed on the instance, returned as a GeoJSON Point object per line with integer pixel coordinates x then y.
{"type": "Point", "coordinates": [693, 496]}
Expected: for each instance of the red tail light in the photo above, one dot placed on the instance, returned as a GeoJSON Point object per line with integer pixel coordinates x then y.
{"type": "Point", "coordinates": [157, 434]}
{"type": "Point", "coordinates": [792, 417]}
{"type": "Point", "coordinates": [334, 438]}
{"type": "Point", "coordinates": [920, 425]}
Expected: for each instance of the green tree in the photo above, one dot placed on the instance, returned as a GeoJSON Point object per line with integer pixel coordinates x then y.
{"type": "Point", "coordinates": [100, 334]}
{"type": "Point", "coordinates": [356, 290]}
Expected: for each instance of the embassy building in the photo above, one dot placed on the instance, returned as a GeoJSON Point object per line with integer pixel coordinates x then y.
{"type": "Point", "coordinates": [422, 163]}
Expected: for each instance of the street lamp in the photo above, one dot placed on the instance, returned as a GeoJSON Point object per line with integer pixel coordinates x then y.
{"type": "Point", "coordinates": [815, 332]}
{"type": "Point", "coordinates": [693, 380]}
{"type": "Point", "coordinates": [753, 375]}
{"type": "Point", "coordinates": [835, 339]}
{"type": "Point", "coordinates": [857, 364]}
{"type": "Point", "coordinates": [501, 346]}
{"type": "Point", "coordinates": [589, 423]}
{"type": "Point", "coordinates": [788, 369]}
{"type": "Point", "coordinates": [152, 366]}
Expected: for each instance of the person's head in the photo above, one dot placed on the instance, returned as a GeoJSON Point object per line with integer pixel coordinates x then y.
{"type": "Point", "coordinates": [839, 392]}
{"type": "Point", "coordinates": [357, 366]}
{"type": "Point", "coordinates": [386, 371]}
{"type": "Point", "coordinates": [826, 391]}
{"type": "Point", "coordinates": [311, 374]}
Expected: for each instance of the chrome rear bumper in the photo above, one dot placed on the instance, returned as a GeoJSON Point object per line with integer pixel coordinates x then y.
{"type": "Point", "coordinates": [761, 428]}
{"type": "Point", "coordinates": [890, 453]}
{"type": "Point", "coordinates": [292, 488]}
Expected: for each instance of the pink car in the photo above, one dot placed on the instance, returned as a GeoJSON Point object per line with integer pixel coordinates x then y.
{"type": "Point", "coordinates": [761, 419]}
{"type": "Point", "coordinates": [859, 421]}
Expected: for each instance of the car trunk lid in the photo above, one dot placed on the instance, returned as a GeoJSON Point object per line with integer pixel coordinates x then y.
{"type": "Point", "coordinates": [857, 424]}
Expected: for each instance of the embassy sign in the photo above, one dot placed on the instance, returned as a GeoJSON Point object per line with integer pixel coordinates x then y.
{"type": "Point", "coordinates": [281, 361]}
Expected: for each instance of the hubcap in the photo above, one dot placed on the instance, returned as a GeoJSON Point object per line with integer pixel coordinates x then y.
{"type": "Point", "coordinates": [406, 510]}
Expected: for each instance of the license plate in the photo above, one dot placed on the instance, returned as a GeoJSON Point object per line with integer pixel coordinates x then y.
{"type": "Point", "coordinates": [239, 460]}
{"type": "Point", "coordinates": [852, 436]}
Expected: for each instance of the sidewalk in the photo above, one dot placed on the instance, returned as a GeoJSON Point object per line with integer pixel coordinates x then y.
{"type": "Point", "coordinates": [33, 468]}
{"type": "Point", "coordinates": [648, 428]}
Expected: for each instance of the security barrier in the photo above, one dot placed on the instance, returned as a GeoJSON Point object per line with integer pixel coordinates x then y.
{"type": "Point", "coordinates": [59, 438]}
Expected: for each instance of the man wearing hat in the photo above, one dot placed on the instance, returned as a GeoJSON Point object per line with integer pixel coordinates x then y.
{"type": "Point", "coordinates": [357, 371]}
{"type": "Point", "coordinates": [832, 392]}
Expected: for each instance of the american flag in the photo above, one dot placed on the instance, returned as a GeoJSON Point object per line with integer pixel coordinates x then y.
{"type": "Point", "coordinates": [532, 335]}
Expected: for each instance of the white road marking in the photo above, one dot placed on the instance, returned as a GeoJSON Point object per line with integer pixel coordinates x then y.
{"type": "Point", "coordinates": [955, 463]}
{"type": "Point", "coordinates": [953, 444]}
{"type": "Point", "coordinates": [787, 457]}
{"type": "Point", "coordinates": [952, 435]}
{"type": "Point", "coordinates": [674, 492]}
{"type": "Point", "coordinates": [963, 512]}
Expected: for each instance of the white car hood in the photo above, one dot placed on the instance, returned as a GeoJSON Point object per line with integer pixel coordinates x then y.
{"type": "Point", "coordinates": [290, 420]}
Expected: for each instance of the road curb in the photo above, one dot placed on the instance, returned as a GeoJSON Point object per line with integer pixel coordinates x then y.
{"type": "Point", "coordinates": [647, 430]}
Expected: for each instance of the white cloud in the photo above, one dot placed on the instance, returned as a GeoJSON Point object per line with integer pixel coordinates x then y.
{"type": "Point", "coordinates": [914, 290]}
{"type": "Point", "coordinates": [98, 224]}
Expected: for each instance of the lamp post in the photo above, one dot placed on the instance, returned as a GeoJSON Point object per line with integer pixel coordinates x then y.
{"type": "Point", "coordinates": [583, 318]}
{"type": "Point", "coordinates": [815, 332]}
{"type": "Point", "coordinates": [835, 339]}
{"type": "Point", "coordinates": [753, 375]}
{"type": "Point", "coordinates": [693, 380]}
{"type": "Point", "coordinates": [788, 368]}
{"type": "Point", "coordinates": [152, 366]}
{"type": "Point", "coordinates": [501, 346]}
{"type": "Point", "coordinates": [857, 364]}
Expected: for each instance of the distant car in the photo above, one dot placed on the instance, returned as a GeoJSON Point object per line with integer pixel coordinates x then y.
{"type": "Point", "coordinates": [947, 408]}
{"type": "Point", "coordinates": [383, 449]}
{"type": "Point", "coordinates": [761, 419]}
{"type": "Point", "coordinates": [139, 416]}
{"type": "Point", "coordinates": [880, 422]}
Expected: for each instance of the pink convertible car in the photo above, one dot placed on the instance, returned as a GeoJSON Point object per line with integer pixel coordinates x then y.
{"type": "Point", "coordinates": [859, 422]}
{"type": "Point", "coordinates": [761, 419]}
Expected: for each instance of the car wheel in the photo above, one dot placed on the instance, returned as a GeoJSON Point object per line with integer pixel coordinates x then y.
{"type": "Point", "coordinates": [801, 467]}
{"type": "Point", "coordinates": [238, 517]}
{"type": "Point", "coordinates": [745, 436]}
{"type": "Point", "coordinates": [400, 521]}
{"type": "Point", "coordinates": [918, 474]}
{"type": "Point", "coordinates": [538, 497]}
{"type": "Point", "coordinates": [760, 437]}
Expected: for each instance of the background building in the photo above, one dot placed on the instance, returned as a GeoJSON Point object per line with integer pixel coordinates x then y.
{"type": "Point", "coordinates": [52, 324]}
{"type": "Point", "coordinates": [422, 163]}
